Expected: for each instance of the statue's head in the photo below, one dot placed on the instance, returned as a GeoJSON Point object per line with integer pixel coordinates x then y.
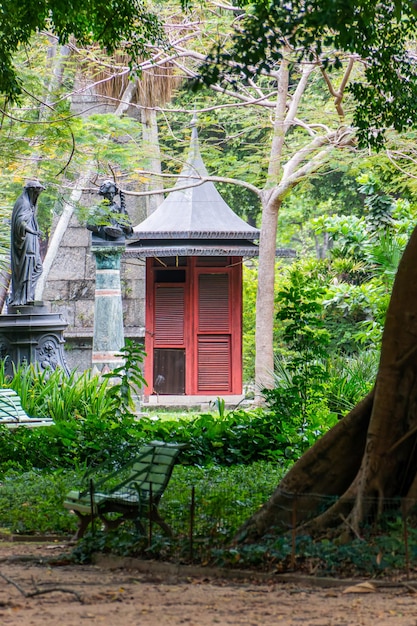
{"type": "Point", "coordinates": [108, 187]}
{"type": "Point", "coordinates": [35, 184]}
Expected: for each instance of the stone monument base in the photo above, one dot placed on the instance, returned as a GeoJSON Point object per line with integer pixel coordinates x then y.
{"type": "Point", "coordinates": [29, 334]}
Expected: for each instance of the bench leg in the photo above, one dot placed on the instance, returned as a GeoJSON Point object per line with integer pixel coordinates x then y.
{"type": "Point", "coordinates": [140, 528]}
{"type": "Point", "coordinates": [111, 524]}
{"type": "Point", "coordinates": [83, 522]}
{"type": "Point", "coordinates": [155, 517]}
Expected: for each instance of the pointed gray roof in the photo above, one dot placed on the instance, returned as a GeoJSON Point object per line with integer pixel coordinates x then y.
{"type": "Point", "coordinates": [192, 210]}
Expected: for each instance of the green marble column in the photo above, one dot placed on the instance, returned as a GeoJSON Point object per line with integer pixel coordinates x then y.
{"type": "Point", "coordinates": [108, 313]}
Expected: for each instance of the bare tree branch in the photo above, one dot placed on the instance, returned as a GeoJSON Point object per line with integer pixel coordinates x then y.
{"type": "Point", "coordinates": [338, 95]}
{"type": "Point", "coordinates": [38, 592]}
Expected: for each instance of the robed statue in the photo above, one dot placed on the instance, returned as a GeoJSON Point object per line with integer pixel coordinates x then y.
{"type": "Point", "coordinates": [26, 262]}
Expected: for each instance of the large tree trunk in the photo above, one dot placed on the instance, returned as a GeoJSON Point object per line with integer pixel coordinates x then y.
{"type": "Point", "coordinates": [370, 454]}
{"type": "Point", "coordinates": [265, 307]}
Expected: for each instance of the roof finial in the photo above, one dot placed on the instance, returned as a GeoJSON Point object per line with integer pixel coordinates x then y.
{"type": "Point", "coordinates": [194, 149]}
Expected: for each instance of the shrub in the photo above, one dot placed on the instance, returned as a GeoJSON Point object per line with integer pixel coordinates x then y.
{"type": "Point", "coordinates": [31, 502]}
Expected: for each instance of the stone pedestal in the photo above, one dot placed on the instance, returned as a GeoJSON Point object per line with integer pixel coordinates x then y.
{"type": "Point", "coordinates": [108, 337]}
{"type": "Point", "coordinates": [30, 334]}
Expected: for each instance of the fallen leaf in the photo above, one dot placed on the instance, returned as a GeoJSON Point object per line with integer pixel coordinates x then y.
{"type": "Point", "coordinates": [365, 587]}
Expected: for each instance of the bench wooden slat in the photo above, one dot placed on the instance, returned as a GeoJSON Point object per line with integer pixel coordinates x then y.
{"type": "Point", "coordinates": [13, 415]}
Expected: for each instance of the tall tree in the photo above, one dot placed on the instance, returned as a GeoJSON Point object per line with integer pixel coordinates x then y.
{"type": "Point", "coordinates": [369, 455]}
{"type": "Point", "coordinates": [327, 36]}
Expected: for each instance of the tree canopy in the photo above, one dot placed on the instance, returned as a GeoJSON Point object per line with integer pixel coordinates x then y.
{"type": "Point", "coordinates": [109, 23]}
{"type": "Point", "coordinates": [377, 32]}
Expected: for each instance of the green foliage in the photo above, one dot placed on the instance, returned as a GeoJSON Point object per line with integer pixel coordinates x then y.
{"type": "Point", "coordinates": [223, 498]}
{"type": "Point", "coordinates": [298, 398]}
{"type": "Point", "coordinates": [379, 206]}
{"type": "Point", "coordinates": [239, 436]}
{"type": "Point", "coordinates": [248, 321]}
{"type": "Point", "coordinates": [363, 261]}
{"type": "Point", "coordinates": [30, 502]}
{"type": "Point", "coordinates": [375, 554]}
{"type": "Point", "coordinates": [222, 502]}
{"type": "Point", "coordinates": [351, 378]}
{"type": "Point", "coordinates": [377, 32]}
{"type": "Point", "coordinates": [352, 312]}
{"type": "Point", "coordinates": [110, 24]}
{"type": "Point", "coordinates": [103, 214]}
{"type": "Point", "coordinates": [85, 438]}
{"type": "Point", "coordinates": [321, 368]}
{"type": "Point", "coordinates": [43, 149]}
{"type": "Point", "coordinates": [128, 377]}
{"type": "Point", "coordinates": [93, 417]}
{"type": "Point", "coordinates": [63, 398]}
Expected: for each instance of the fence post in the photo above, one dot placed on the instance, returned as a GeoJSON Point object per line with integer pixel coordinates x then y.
{"type": "Point", "coordinates": [406, 547]}
{"type": "Point", "coordinates": [92, 506]}
{"type": "Point", "coordinates": [293, 532]}
{"type": "Point", "coordinates": [192, 516]}
{"type": "Point", "coordinates": [150, 515]}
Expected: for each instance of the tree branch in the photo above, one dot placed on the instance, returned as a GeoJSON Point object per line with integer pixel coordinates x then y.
{"type": "Point", "coordinates": [38, 592]}
{"type": "Point", "coordinates": [313, 164]}
{"type": "Point", "coordinates": [338, 95]}
{"type": "Point", "coordinates": [200, 180]}
{"type": "Point", "coordinates": [280, 128]}
{"type": "Point", "coordinates": [338, 137]}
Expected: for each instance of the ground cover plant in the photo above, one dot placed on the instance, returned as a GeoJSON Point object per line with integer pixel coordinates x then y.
{"type": "Point", "coordinates": [232, 463]}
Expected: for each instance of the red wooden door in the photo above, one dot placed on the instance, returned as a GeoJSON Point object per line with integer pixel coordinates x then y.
{"type": "Point", "coordinates": [168, 346]}
{"type": "Point", "coordinates": [193, 327]}
{"type": "Point", "coordinates": [213, 340]}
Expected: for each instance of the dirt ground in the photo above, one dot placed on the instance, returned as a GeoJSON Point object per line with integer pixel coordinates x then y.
{"type": "Point", "coordinates": [103, 595]}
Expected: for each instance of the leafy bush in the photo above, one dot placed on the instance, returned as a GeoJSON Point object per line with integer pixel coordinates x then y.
{"type": "Point", "coordinates": [61, 397]}
{"type": "Point", "coordinates": [239, 436]}
{"type": "Point", "coordinates": [84, 437]}
{"type": "Point", "coordinates": [351, 379]}
{"type": "Point", "coordinates": [92, 414]}
{"type": "Point", "coordinates": [31, 502]}
{"type": "Point", "coordinates": [298, 400]}
{"type": "Point", "coordinates": [376, 554]}
{"type": "Point", "coordinates": [224, 497]}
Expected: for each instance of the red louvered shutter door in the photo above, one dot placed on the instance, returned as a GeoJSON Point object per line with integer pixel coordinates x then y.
{"type": "Point", "coordinates": [213, 363]}
{"type": "Point", "coordinates": [169, 316]}
{"type": "Point", "coordinates": [213, 303]}
{"type": "Point", "coordinates": [213, 340]}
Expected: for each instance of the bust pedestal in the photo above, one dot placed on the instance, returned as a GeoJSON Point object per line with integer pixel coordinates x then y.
{"type": "Point", "coordinates": [108, 337]}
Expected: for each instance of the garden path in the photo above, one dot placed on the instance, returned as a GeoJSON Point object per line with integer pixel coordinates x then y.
{"type": "Point", "coordinates": [125, 597]}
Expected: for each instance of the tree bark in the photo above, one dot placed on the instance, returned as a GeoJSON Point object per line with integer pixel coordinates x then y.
{"type": "Point", "coordinates": [76, 193]}
{"type": "Point", "coordinates": [325, 468]}
{"type": "Point", "coordinates": [370, 455]}
{"type": "Point", "coordinates": [265, 307]}
{"type": "Point", "coordinates": [152, 158]}
{"type": "Point", "coordinates": [60, 231]}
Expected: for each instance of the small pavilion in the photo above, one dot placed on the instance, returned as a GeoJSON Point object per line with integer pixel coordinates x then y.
{"type": "Point", "coordinates": [194, 245]}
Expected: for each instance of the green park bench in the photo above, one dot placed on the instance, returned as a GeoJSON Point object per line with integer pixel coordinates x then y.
{"type": "Point", "coordinates": [132, 491]}
{"type": "Point", "coordinates": [13, 415]}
